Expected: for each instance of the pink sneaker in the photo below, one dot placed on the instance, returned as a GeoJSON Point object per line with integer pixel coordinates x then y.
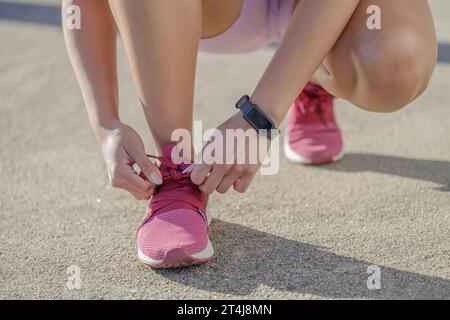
{"type": "Point", "coordinates": [174, 231]}
{"type": "Point", "coordinates": [313, 136]}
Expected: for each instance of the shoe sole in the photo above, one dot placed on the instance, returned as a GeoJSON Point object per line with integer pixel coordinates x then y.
{"type": "Point", "coordinates": [179, 257]}
{"type": "Point", "coordinates": [297, 158]}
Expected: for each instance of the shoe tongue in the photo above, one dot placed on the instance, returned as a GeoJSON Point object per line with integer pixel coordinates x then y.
{"type": "Point", "coordinates": [167, 149]}
{"type": "Point", "coordinates": [170, 152]}
{"type": "Point", "coordinates": [177, 191]}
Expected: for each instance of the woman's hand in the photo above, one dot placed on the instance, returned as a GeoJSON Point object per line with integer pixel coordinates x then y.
{"type": "Point", "coordinates": [122, 148]}
{"type": "Point", "coordinates": [239, 168]}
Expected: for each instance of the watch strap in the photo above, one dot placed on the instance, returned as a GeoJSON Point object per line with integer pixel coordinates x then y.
{"type": "Point", "coordinates": [245, 105]}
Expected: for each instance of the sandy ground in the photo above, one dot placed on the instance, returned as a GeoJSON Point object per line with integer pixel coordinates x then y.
{"type": "Point", "coordinates": [308, 232]}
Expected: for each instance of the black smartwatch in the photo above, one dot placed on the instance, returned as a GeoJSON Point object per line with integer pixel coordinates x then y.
{"type": "Point", "coordinates": [257, 118]}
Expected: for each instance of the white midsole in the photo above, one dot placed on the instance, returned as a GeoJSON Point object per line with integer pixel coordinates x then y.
{"type": "Point", "coordinates": [206, 253]}
{"type": "Point", "coordinates": [296, 157]}
{"type": "Point", "coordinates": [209, 217]}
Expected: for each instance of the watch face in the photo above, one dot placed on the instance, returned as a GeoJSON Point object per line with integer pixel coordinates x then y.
{"type": "Point", "coordinates": [258, 120]}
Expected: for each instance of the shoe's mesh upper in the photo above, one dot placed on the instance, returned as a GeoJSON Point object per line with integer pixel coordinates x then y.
{"type": "Point", "coordinates": [173, 229]}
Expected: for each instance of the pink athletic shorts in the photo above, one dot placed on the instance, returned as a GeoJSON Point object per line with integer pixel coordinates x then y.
{"type": "Point", "coordinates": [260, 23]}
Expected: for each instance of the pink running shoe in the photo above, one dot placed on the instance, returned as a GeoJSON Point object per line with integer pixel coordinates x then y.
{"type": "Point", "coordinates": [174, 231]}
{"type": "Point", "coordinates": [313, 136]}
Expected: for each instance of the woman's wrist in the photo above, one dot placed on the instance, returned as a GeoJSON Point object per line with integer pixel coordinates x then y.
{"type": "Point", "coordinates": [104, 127]}
{"type": "Point", "coordinates": [271, 108]}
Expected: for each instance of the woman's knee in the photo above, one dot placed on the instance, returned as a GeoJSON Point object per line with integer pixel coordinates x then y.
{"type": "Point", "coordinates": [392, 73]}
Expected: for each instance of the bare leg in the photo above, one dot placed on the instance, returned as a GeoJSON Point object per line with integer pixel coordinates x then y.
{"type": "Point", "coordinates": [382, 70]}
{"type": "Point", "coordinates": [161, 40]}
{"type": "Point", "coordinates": [378, 70]}
{"type": "Point", "coordinates": [361, 67]}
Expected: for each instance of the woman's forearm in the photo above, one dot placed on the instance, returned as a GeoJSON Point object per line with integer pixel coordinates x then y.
{"type": "Point", "coordinates": [316, 26]}
{"type": "Point", "coordinates": [92, 51]}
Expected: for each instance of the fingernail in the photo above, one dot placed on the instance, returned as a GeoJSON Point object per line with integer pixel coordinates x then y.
{"type": "Point", "coordinates": [155, 178]}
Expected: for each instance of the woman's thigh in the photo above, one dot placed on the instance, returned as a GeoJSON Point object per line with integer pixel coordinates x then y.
{"type": "Point", "coordinates": [219, 15]}
{"type": "Point", "coordinates": [385, 69]}
{"type": "Point", "coordinates": [245, 26]}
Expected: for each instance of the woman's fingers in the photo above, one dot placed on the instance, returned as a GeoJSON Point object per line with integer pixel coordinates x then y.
{"type": "Point", "coordinates": [200, 173]}
{"type": "Point", "coordinates": [227, 182]}
{"type": "Point", "coordinates": [123, 149]}
{"type": "Point", "coordinates": [213, 180]}
{"type": "Point", "coordinates": [222, 177]}
{"type": "Point", "coordinates": [131, 178]}
{"type": "Point", "coordinates": [241, 185]}
{"type": "Point", "coordinates": [133, 190]}
{"type": "Point", "coordinates": [149, 169]}
{"type": "Point", "coordinates": [139, 193]}
{"type": "Point", "coordinates": [126, 178]}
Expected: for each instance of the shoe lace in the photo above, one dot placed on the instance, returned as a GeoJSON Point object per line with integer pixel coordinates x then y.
{"type": "Point", "coordinates": [314, 100]}
{"type": "Point", "coordinates": [172, 172]}
{"type": "Point", "coordinates": [176, 187]}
